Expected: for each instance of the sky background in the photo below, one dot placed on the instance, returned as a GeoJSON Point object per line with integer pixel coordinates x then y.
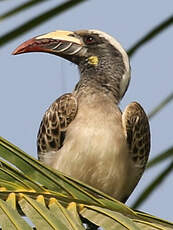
{"type": "Point", "coordinates": [31, 82]}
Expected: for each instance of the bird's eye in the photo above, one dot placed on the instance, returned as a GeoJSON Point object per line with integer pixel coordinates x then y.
{"type": "Point", "coordinates": [89, 40]}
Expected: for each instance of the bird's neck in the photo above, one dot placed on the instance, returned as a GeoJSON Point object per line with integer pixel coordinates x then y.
{"type": "Point", "coordinates": [103, 84]}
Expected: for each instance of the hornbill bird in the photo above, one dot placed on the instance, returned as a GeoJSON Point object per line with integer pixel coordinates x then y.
{"type": "Point", "coordinates": [84, 134]}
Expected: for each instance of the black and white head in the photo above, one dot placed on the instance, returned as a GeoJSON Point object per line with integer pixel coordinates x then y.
{"type": "Point", "coordinates": [95, 52]}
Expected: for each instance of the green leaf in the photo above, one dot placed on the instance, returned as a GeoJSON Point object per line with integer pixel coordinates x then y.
{"type": "Point", "coordinates": [160, 158]}
{"type": "Point", "coordinates": [10, 174]}
{"type": "Point", "coordinates": [150, 226]}
{"type": "Point", "coordinates": [9, 185]}
{"type": "Point", "coordinates": [11, 200]}
{"type": "Point", "coordinates": [70, 215]}
{"type": "Point", "coordinates": [23, 180]}
{"type": "Point", "coordinates": [150, 35]}
{"type": "Point", "coordinates": [153, 185]}
{"type": "Point", "coordinates": [107, 218]}
{"type": "Point", "coordinates": [153, 221]}
{"type": "Point", "coordinates": [161, 105]}
{"type": "Point", "coordinates": [20, 8]}
{"type": "Point", "coordinates": [40, 215]}
{"type": "Point", "coordinates": [28, 165]}
{"type": "Point", "coordinates": [73, 213]}
{"type": "Point", "coordinates": [56, 181]}
{"type": "Point", "coordinates": [37, 21]}
{"type": "Point", "coordinates": [10, 218]}
{"type": "Point", "coordinates": [49, 209]}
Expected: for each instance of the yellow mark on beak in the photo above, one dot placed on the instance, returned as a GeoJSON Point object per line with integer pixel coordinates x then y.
{"type": "Point", "coordinates": [93, 60]}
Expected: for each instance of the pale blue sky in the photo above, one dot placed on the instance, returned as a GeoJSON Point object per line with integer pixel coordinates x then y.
{"type": "Point", "coordinates": [31, 82]}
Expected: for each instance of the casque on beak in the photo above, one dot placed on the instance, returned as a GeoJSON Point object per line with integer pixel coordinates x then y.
{"type": "Point", "coordinates": [65, 44]}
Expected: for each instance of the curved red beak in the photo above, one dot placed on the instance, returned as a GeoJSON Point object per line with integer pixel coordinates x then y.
{"type": "Point", "coordinates": [62, 43]}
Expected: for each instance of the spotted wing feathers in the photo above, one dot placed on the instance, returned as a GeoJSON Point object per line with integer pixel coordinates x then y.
{"type": "Point", "coordinates": [54, 125]}
{"type": "Point", "coordinates": [137, 130]}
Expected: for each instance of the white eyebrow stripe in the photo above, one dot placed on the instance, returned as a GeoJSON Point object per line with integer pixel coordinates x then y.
{"type": "Point", "coordinates": [115, 44]}
{"type": "Point", "coordinates": [126, 77]}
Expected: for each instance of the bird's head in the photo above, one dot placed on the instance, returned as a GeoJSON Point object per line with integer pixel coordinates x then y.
{"type": "Point", "coordinates": [95, 52]}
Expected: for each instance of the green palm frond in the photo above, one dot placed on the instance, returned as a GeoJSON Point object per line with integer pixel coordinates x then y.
{"type": "Point", "coordinates": [51, 200]}
{"type": "Point", "coordinates": [167, 154]}
{"type": "Point", "coordinates": [20, 8]}
{"type": "Point", "coordinates": [150, 35]}
{"type": "Point", "coordinates": [38, 20]}
{"type": "Point", "coordinates": [153, 185]}
{"type": "Point", "coordinates": [161, 105]}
